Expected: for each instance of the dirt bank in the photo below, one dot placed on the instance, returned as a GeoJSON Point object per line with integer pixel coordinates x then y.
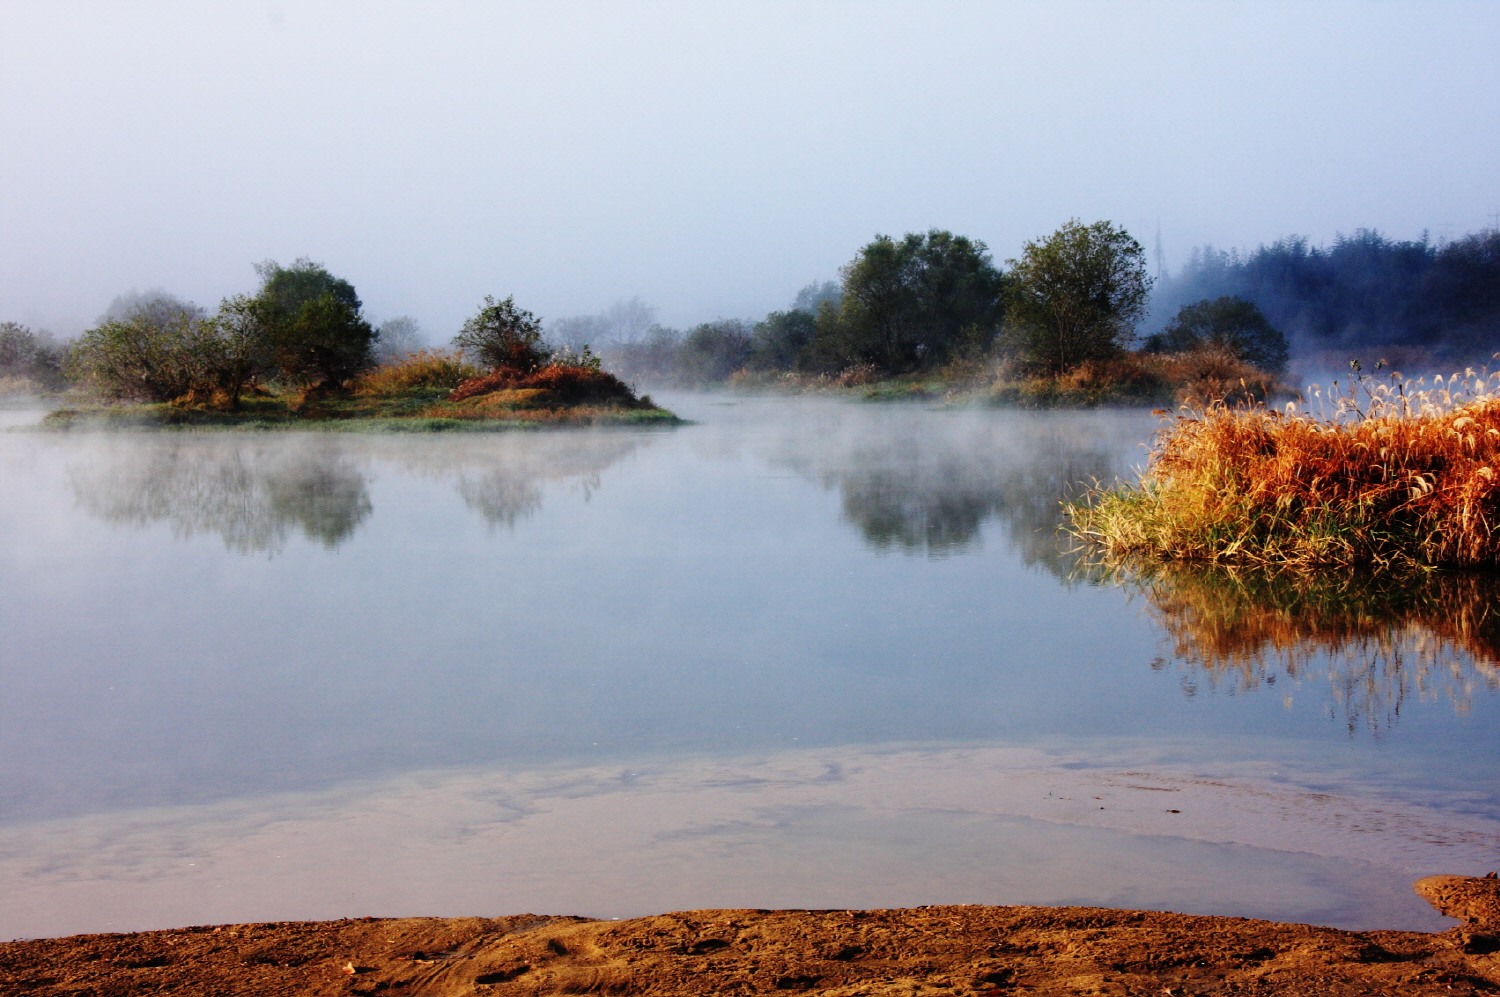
{"type": "Point", "coordinates": [961, 951]}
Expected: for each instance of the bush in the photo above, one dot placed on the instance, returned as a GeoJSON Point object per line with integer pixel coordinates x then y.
{"type": "Point", "coordinates": [504, 336]}
{"type": "Point", "coordinates": [1229, 325]}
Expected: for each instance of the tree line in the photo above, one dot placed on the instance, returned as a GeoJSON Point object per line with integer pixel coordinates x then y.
{"type": "Point", "coordinates": [928, 300]}
{"type": "Point", "coordinates": [304, 329]}
{"type": "Point", "coordinates": [1365, 290]}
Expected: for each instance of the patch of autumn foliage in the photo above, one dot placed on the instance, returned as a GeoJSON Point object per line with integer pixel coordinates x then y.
{"type": "Point", "coordinates": [1406, 476]}
{"type": "Point", "coordinates": [555, 384]}
{"type": "Point", "coordinates": [1197, 377]}
{"type": "Point", "coordinates": [424, 369]}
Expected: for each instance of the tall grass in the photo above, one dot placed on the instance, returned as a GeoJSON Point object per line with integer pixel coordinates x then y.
{"type": "Point", "coordinates": [429, 369]}
{"type": "Point", "coordinates": [1391, 472]}
{"type": "Point", "coordinates": [1196, 377]}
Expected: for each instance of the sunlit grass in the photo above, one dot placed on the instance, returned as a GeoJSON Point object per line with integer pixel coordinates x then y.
{"type": "Point", "coordinates": [425, 369]}
{"type": "Point", "coordinates": [1394, 472]}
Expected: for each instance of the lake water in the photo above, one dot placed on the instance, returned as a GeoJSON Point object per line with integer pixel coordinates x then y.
{"type": "Point", "coordinates": [800, 653]}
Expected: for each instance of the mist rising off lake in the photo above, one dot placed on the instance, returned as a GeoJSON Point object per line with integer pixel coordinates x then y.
{"type": "Point", "coordinates": [799, 653]}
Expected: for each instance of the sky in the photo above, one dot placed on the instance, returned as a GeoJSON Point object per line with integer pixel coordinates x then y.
{"type": "Point", "coordinates": [709, 157]}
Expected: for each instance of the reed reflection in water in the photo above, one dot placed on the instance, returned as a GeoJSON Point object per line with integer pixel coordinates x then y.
{"type": "Point", "coordinates": [1377, 640]}
{"type": "Point", "coordinates": [257, 493]}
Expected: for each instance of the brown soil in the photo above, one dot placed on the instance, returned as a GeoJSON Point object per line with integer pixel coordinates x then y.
{"type": "Point", "coordinates": [959, 951]}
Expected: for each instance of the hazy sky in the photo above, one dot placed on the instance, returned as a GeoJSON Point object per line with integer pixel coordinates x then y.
{"type": "Point", "coordinates": [711, 157]}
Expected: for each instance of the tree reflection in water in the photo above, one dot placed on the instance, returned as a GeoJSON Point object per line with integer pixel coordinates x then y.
{"type": "Point", "coordinates": [928, 487]}
{"type": "Point", "coordinates": [1377, 640]}
{"type": "Point", "coordinates": [251, 494]}
{"type": "Point", "coordinates": [256, 493]}
{"type": "Point", "coordinates": [501, 477]}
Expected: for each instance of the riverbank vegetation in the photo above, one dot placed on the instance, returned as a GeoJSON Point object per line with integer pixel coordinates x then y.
{"type": "Point", "coordinates": [1391, 473]}
{"type": "Point", "coordinates": [300, 354]}
{"type": "Point", "coordinates": [1075, 319]}
{"type": "Point", "coordinates": [931, 316]}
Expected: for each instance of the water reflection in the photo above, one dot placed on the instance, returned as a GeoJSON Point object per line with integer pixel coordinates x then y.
{"type": "Point", "coordinates": [928, 487]}
{"type": "Point", "coordinates": [1377, 640]}
{"type": "Point", "coordinates": [256, 494]}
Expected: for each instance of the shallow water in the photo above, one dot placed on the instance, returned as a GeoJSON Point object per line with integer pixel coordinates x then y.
{"type": "Point", "coordinates": [799, 653]}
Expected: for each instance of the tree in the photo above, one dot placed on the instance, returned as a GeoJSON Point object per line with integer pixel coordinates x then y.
{"type": "Point", "coordinates": [502, 335]}
{"type": "Point", "coordinates": [140, 349]}
{"type": "Point", "coordinates": [1232, 325]}
{"type": "Point", "coordinates": [712, 351]}
{"type": "Point", "coordinates": [312, 321]}
{"type": "Point", "coordinates": [909, 304]}
{"type": "Point", "coordinates": [1075, 296]}
{"type": "Point", "coordinates": [397, 339]}
{"type": "Point", "coordinates": [28, 356]}
{"type": "Point", "coordinates": [778, 341]}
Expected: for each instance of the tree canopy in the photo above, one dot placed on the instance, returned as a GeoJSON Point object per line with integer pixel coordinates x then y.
{"type": "Point", "coordinates": [909, 304]}
{"type": "Point", "coordinates": [1075, 296]}
{"type": "Point", "coordinates": [312, 323]}
{"type": "Point", "coordinates": [1230, 324]}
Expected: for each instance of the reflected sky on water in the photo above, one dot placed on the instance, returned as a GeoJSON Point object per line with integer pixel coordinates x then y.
{"type": "Point", "coordinates": [206, 635]}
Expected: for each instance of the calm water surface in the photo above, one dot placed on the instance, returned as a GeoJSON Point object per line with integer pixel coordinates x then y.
{"type": "Point", "coordinates": [799, 653]}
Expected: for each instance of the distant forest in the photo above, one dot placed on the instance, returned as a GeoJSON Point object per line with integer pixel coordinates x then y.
{"type": "Point", "coordinates": [1364, 291]}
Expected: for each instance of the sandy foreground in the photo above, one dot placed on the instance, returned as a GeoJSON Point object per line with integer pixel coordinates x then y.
{"type": "Point", "coordinates": [957, 950]}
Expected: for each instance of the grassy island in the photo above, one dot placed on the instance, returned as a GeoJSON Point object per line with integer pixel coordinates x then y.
{"type": "Point", "coordinates": [1396, 474]}
{"type": "Point", "coordinates": [430, 391]}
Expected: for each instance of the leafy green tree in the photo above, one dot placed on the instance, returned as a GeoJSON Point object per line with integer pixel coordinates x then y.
{"type": "Point", "coordinates": [312, 322]}
{"type": "Point", "coordinates": [157, 348]}
{"type": "Point", "coordinates": [1230, 324]}
{"type": "Point", "coordinates": [502, 335]}
{"type": "Point", "coordinates": [780, 339]}
{"type": "Point", "coordinates": [1075, 296]}
{"type": "Point", "coordinates": [909, 304]}
{"type": "Point", "coordinates": [712, 351]}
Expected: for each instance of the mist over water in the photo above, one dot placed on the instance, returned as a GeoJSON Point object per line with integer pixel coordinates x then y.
{"type": "Point", "coordinates": [797, 634]}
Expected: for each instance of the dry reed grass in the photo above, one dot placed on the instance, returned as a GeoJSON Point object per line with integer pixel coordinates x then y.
{"type": "Point", "coordinates": [424, 369]}
{"type": "Point", "coordinates": [1392, 472]}
{"type": "Point", "coordinates": [1198, 378]}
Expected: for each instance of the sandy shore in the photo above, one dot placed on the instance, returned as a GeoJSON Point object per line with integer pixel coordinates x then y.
{"type": "Point", "coordinates": [956, 950]}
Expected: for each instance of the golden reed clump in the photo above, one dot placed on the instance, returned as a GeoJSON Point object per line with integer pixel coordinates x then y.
{"type": "Point", "coordinates": [423, 369]}
{"type": "Point", "coordinates": [1390, 473]}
